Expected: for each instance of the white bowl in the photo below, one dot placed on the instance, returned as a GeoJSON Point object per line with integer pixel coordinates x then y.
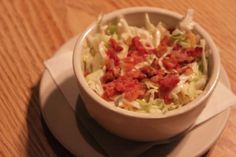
{"type": "Point", "coordinates": [145, 126]}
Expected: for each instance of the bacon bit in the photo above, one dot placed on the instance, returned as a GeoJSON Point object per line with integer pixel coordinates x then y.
{"type": "Point", "coordinates": [134, 92]}
{"type": "Point", "coordinates": [177, 47]}
{"type": "Point", "coordinates": [130, 87]}
{"type": "Point", "coordinates": [162, 48]}
{"type": "Point", "coordinates": [120, 87]}
{"type": "Point", "coordinates": [192, 38]}
{"type": "Point", "coordinates": [109, 90]}
{"type": "Point", "coordinates": [155, 64]}
{"type": "Point", "coordinates": [108, 77]}
{"type": "Point", "coordinates": [167, 84]}
{"type": "Point", "coordinates": [109, 64]}
{"type": "Point", "coordinates": [137, 45]}
{"type": "Point", "coordinates": [188, 71]}
{"type": "Point", "coordinates": [115, 45]}
{"type": "Point", "coordinates": [133, 59]}
{"type": "Point", "coordinates": [181, 57]}
{"type": "Point", "coordinates": [128, 67]}
{"type": "Point", "coordinates": [113, 50]}
{"type": "Point", "coordinates": [123, 82]}
{"type": "Point", "coordinates": [170, 63]}
{"type": "Point", "coordinates": [136, 57]}
{"type": "Point", "coordinates": [104, 96]}
{"type": "Point", "coordinates": [152, 51]}
{"type": "Point", "coordinates": [167, 99]}
{"type": "Point", "coordinates": [165, 40]}
{"type": "Point", "coordinates": [112, 55]}
{"type": "Point", "coordinates": [137, 74]}
{"type": "Point", "coordinates": [157, 78]}
{"type": "Point", "coordinates": [116, 71]}
{"type": "Point", "coordinates": [196, 52]}
{"type": "Point", "coordinates": [111, 74]}
{"type": "Point", "coordinates": [149, 71]}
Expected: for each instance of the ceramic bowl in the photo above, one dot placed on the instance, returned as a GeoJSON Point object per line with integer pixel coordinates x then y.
{"type": "Point", "coordinates": [144, 126]}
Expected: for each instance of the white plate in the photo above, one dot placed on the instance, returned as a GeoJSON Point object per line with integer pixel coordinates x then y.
{"type": "Point", "coordinates": [61, 121]}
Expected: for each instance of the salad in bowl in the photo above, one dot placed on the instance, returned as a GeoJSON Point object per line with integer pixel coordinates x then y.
{"type": "Point", "coordinates": [146, 69]}
{"type": "Point", "coordinates": [149, 69]}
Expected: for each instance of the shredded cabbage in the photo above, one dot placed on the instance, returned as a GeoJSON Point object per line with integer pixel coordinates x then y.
{"type": "Point", "coordinates": [187, 23]}
{"type": "Point", "coordinates": [93, 80]}
{"type": "Point", "coordinates": [189, 85]}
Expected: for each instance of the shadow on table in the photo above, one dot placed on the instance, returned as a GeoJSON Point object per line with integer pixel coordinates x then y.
{"type": "Point", "coordinates": [41, 143]}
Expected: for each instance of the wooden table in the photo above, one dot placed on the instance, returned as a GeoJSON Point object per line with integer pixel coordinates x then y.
{"type": "Point", "coordinates": [32, 30]}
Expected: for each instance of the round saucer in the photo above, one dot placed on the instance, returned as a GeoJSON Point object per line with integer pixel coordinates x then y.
{"type": "Point", "coordinates": [62, 122]}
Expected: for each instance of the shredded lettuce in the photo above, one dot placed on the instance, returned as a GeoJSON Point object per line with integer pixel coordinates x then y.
{"type": "Point", "coordinates": [155, 106]}
{"type": "Point", "coordinates": [150, 27]}
{"type": "Point", "coordinates": [93, 80]}
{"type": "Point", "coordinates": [156, 33]}
{"type": "Point", "coordinates": [102, 49]}
{"type": "Point", "coordinates": [187, 22]}
{"type": "Point", "coordinates": [180, 39]}
{"type": "Point", "coordinates": [112, 29]}
{"type": "Point", "coordinates": [189, 86]}
{"type": "Point", "coordinates": [187, 89]}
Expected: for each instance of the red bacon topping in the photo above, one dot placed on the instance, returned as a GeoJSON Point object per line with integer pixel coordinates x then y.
{"type": "Point", "coordinates": [130, 83]}
{"type": "Point", "coordinates": [167, 84]}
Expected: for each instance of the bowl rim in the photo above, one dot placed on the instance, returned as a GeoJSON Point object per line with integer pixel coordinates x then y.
{"type": "Point", "coordinates": [212, 81]}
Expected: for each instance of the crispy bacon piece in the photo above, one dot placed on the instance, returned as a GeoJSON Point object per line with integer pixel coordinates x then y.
{"type": "Point", "coordinates": [114, 45]}
{"type": "Point", "coordinates": [109, 90]}
{"type": "Point", "coordinates": [137, 45]}
{"type": "Point", "coordinates": [177, 47]}
{"type": "Point", "coordinates": [131, 88]}
{"type": "Point", "coordinates": [181, 57]}
{"type": "Point", "coordinates": [137, 74]}
{"type": "Point", "coordinates": [133, 59]}
{"type": "Point", "coordinates": [149, 71]}
{"type": "Point", "coordinates": [167, 84]}
{"type": "Point", "coordinates": [112, 55]}
{"type": "Point", "coordinates": [113, 50]}
{"type": "Point", "coordinates": [108, 77]}
{"type": "Point", "coordinates": [109, 64]}
{"type": "Point", "coordinates": [188, 71]}
{"type": "Point", "coordinates": [170, 63]}
{"type": "Point", "coordinates": [133, 92]}
{"type": "Point", "coordinates": [162, 48]}
{"type": "Point", "coordinates": [111, 74]}
{"type": "Point", "coordinates": [155, 64]}
{"type": "Point", "coordinates": [157, 78]}
{"type": "Point", "coordinates": [196, 52]}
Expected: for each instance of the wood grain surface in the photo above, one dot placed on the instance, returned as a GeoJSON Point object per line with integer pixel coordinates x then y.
{"type": "Point", "coordinates": [32, 30]}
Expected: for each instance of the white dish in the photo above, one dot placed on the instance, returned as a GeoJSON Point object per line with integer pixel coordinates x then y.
{"type": "Point", "coordinates": [61, 121]}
